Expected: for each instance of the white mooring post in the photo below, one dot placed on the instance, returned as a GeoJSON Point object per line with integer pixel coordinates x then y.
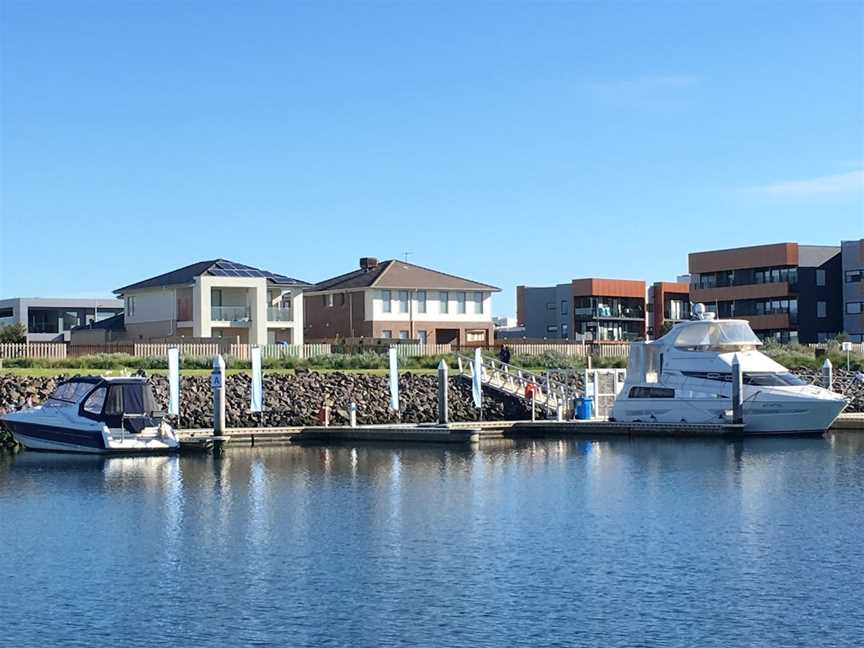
{"type": "Point", "coordinates": [217, 384]}
{"type": "Point", "coordinates": [352, 413]}
{"type": "Point", "coordinates": [443, 392]}
{"type": "Point", "coordinates": [737, 388]}
{"type": "Point", "coordinates": [828, 375]}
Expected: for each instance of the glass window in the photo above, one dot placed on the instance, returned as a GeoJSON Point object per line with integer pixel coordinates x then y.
{"type": "Point", "coordinates": [550, 305]}
{"type": "Point", "coordinates": [552, 328]}
{"type": "Point", "coordinates": [403, 301]}
{"type": "Point", "coordinates": [821, 309]}
{"type": "Point", "coordinates": [423, 336]}
{"type": "Point", "coordinates": [820, 277]}
{"type": "Point", "coordinates": [330, 300]}
{"type": "Point", "coordinates": [72, 391]}
{"type": "Point", "coordinates": [478, 303]}
{"type": "Point", "coordinates": [403, 335]}
{"type": "Point", "coordinates": [565, 331]}
{"type": "Point", "coordinates": [6, 312]}
{"type": "Point", "coordinates": [564, 306]}
{"type": "Point", "coordinates": [114, 403]}
{"type": "Point", "coordinates": [93, 404]}
{"type": "Point", "coordinates": [475, 336]}
{"type": "Point", "coordinates": [651, 392]}
{"type": "Point", "coordinates": [386, 307]}
{"type": "Point", "coordinates": [421, 301]}
{"type": "Point", "coordinates": [853, 276]}
{"type": "Point", "coordinates": [386, 333]}
{"type": "Point", "coordinates": [444, 300]}
{"type": "Point", "coordinates": [460, 303]}
{"type": "Point", "coordinates": [853, 308]}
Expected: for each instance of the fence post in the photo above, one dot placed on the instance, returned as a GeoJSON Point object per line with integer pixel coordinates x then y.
{"type": "Point", "coordinates": [828, 375]}
{"type": "Point", "coordinates": [737, 388]}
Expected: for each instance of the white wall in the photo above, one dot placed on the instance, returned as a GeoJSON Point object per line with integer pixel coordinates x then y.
{"type": "Point", "coordinates": [375, 307]}
{"type": "Point", "coordinates": [152, 305]}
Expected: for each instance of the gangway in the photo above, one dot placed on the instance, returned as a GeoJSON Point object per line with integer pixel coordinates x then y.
{"type": "Point", "coordinates": [549, 394]}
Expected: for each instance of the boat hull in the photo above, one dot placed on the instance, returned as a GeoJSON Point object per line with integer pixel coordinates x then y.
{"type": "Point", "coordinates": [47, 438]}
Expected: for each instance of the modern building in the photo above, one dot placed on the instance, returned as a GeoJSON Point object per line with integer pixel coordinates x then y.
{"type": "Point", "coordinates": [852, 253]}
{"type": "Point", "coordinates": [788, 292]}
{"type": "Point", "coordinates": [396, 299]}
{"type": "Point", "coordinates": [591, 308]}
{"type": "Point", "coordinates": [668, 302]}
{"type": "Point", "coordinates": [545, 312]}
{"type": "Point", "coordinates": [216, 299]}
{"type": "Point", "coordinates": [51, 320]}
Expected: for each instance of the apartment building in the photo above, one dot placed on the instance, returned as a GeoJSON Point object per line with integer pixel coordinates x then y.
{"type": "Point", "coordinates": [668, 303]}
{"type": "Point", "coordinates": [52, 320]}
{"type": "Point", "coordinates": [852, 260]}
{"type": "Point", "coordinates": [787, 291]}
{"type": "Point", "coordinates": [590, 308]}
{"type": "Point", "coordinates": [216, 299]}
{"type": "Point", "coordinates": [396, 299]}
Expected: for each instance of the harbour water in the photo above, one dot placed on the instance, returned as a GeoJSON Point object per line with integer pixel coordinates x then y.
{"type": "Point", "coordinates": [622, 542]}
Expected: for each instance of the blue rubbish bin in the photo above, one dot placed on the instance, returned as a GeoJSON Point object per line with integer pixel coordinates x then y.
{"type": "Point", "coordinates": [584, 411]}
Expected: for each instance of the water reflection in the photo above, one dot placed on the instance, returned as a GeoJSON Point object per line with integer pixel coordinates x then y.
{"type": "Point", "coordinates": [526, 542]}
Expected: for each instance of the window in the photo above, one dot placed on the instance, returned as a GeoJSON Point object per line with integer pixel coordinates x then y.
{"type": "Point", "coordinates": [821, 309]}
{"type": "Point", "coordinates": [329, 300]}
{"type": "Point", "coordinates": [820, 277]}
{"type": "Point", "coordinates": [475, 336]}
{"type": "Point", "coordinates": [93, 405]}
{"type": "Point", "coordinates": [478, 303]}
{"type": "Point", "coordinates": [403, 301]}
{"type": "Point", "coordinates": [341, 299]}
{"type": "Point", "coordinates": [552, 328]}
{"type": "Point", "coordinates": [386, 333]}
{"type": "Point", "coordinates": [565, 331]}
{"type": "Point", "coordinates": [460, 303]}
{"type": "Point", "coordinates": [422, 336]}
{"type": "Point", "coordinates": [130, 307]}
{"type": "Point", "coordinates": [6, 312]}
{"type": "Point", "coordinates": [403, 335]}
{"type": "Point", "coordinates": [853, 308]}
{"type": "Point", "coordinates": [385, 301]}
{"type": "Point", "coordinates": [421, 301]}
{"type": "Point", "coordinates": [550, 305]}
{"type": "Point", "coordinates": [651, 392]}
{"type": "Point", "coordinates": [853, 276]}
{"type": "Point", "coordinates": [444, 298]}
{"type": "Point", "coordinates": [564, 306]}
{"type": "Point", "coordinates": [114, 403]}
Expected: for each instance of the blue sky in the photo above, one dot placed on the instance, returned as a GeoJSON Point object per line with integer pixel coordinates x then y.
{"type": "Point", "coordinates": [513, 143]}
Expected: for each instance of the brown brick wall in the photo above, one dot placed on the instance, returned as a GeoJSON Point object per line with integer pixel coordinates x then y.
{"type": "Point", "coordinates": [608, 288]}
{"type": "Point", "coordinates": [325, 322]}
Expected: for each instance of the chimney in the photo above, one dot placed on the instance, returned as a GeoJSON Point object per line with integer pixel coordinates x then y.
{"type": "Point", "coordinates": [368, 263]}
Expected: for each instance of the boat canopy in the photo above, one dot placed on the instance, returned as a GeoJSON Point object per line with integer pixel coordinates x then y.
{"type": "Point", "coordinates": [644, 363]}
{"type": "Point", "coordinates": [723, 335]}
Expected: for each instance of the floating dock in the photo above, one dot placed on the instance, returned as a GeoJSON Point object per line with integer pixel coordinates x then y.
{"type": "Point", "coordinates": [467, 432]}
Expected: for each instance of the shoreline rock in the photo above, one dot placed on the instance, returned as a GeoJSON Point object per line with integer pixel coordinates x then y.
{"type": "Point", "coordinates": [295, 399]}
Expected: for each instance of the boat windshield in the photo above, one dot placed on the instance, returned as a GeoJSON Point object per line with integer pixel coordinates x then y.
{"type": "Point", "coordinates": [710, 335]}
{"type": "Point", "coordinates": [68, 392]}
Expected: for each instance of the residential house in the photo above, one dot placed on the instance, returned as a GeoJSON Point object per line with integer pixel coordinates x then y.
{"type": "Point", "coordinates": [216, 299]}
{"type": "Point", "coordinates": [668, 303]}
{"type": "Point", "coordinates": [52, 320]}
{"type": "Point", "coordinates": [397, 299]}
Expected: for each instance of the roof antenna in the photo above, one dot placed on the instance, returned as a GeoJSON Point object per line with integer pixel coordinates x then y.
{"type": "Point", "coordinates": [407, 254]}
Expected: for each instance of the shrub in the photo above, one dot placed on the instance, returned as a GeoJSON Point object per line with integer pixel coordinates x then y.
{"type": "Point", "coordinates": [14, 333]}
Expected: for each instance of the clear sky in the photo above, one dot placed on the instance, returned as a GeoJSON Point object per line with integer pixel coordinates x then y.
{"type": "Point", "coordinates": [513, 143]}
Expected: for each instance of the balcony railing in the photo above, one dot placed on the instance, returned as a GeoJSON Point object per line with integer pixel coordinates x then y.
{"type": "Point", "coordinates": [229, 313]}
{"type": "Point", "coordinates": [608, 313]}
{"type": "Point", "coordinates": [277, 314]}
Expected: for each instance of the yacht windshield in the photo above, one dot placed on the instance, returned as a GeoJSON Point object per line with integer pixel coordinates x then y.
{"type": "Point", "coordinates": [68, 392]}
{"type": "Point", "coordinates": [720, 336]}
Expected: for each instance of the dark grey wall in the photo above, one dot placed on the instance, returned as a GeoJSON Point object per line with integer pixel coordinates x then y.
{"type": "Point", "coordinates": [539, 316]}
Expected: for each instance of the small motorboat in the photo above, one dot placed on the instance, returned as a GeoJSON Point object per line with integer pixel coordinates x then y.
{"type": "Point", "coordinates": [95, 415]}
{"type": "Point", "coordinates": [686, 376]}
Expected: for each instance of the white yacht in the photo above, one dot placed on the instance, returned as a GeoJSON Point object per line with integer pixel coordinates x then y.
{"type": "Point", "coordinates": [95, 415]}
{"type": "Point", "coordinates": [686, 376]}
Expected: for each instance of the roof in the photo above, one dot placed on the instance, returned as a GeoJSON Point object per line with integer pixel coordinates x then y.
{"type": "Point", "coordinates": [813, 256]}
{"type": "Point", "coordinates": [214, 268]}
{"type": "Point", "coordinates": [114, 323]}
{"type": "Point", "coordinates": [399, 274]}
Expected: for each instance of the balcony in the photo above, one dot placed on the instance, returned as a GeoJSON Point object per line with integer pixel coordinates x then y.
{"type": "Point", "coordinates": [230, 313]}
{"type": "Point", "coordinates": [277, 314]}
{"type": "Point", "coordinates": [608, 313]}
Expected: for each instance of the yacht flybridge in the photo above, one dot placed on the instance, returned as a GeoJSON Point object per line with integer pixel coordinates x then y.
{"type": "Point", "coordinates": [686, 375]}
{"type": "Point", "coordinates": [94, 415]}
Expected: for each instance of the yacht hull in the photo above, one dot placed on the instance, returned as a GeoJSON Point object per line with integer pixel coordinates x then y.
{"type": "Point", "coordinates": [48, 438]}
